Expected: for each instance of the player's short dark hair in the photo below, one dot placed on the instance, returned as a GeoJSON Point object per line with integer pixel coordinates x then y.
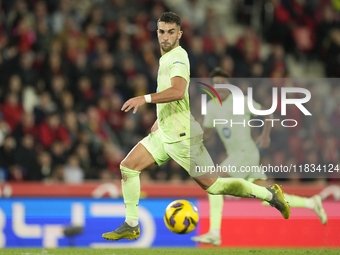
{"type": "Point", "coordinates": [170, 17]}
{"type": "Point", "coordinates": [218, 71]}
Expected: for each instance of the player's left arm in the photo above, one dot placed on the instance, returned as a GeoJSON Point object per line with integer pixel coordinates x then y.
{"type": "Point", "coordinates": [174, 93]}
{"type": "Point", "coordinates": [263, 140]}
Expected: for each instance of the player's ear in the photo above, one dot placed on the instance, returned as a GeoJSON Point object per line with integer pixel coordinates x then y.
{"type": "Point", "coordinates": [180, 32]}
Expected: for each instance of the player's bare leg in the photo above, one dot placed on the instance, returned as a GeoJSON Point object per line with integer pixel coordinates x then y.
{"type": "Point", "coordinates": [137, 160]}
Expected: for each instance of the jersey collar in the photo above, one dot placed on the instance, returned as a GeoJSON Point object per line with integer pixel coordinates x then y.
{"type": "Point", "coordinates": [176, 48]}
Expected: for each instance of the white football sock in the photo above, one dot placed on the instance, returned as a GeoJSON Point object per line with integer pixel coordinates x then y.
{"type": "Point", "coordinates": [310, 203]}
{"type": "Point", "coordinates": [215, 231]}
{"type": "Point", "coordinates": [269, 196]}
{"type": "Point", "coordinates": [131, 223]}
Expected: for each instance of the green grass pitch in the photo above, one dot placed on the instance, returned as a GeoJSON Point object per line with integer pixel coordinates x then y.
{"type": "Point", "coordinates": [168, 251]}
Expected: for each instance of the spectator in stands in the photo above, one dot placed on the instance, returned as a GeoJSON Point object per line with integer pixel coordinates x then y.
{"type": "Point", "coordinates": [20, 10]}
{"type": "Point", "coordinates": [59, 17]}
{"type": "Point", "coordinates": [71, 124]}
{"type": "Point", "coordinates": [276, 65]}
{"type": "Point", "coordinates": [26, 127]}
{"type": "Point", "coordinates": [192, 12]}
{"type": "Point", "coordinates": [333, 53]}
{"type": "Point", "coordinates": [12, 110]}
{"type": "Point", "coordinates": [73, 173]}
{"type": "Point", "coordinates": [112, 157]}
{"type": "Point", "coordinates": [85, 95]}
{"type": "Point", "coordinates": [335, 119]}
{"type": "Point", "coordinates": [25, 155]}
{"type": "Point", "coordinates": [80, 68]}
{"type": "Point", "coordinates": [104, 65]}
{"type": "Point", "coordinates": [7, 152]}
{"type": "Point", "coordinates": [323, 30]}
{"type": "Point", "coordinates": [44, 39]}
{"type": "Point", "coordinates": [85, 161]}
{"type": "Point", "coordinates": [44, 108]}
{"type": "Point", "coordinates": [16, 173]}
{"type": "Point", "coordinates": [44, 170]}
{"type": "Point", "coordinates": [115, 116]}
{"type": "Point", "coordinates": [58, 174]}
{"type": "Point", "coordinates": [24, 35]}
{"type": "Point", "coordinates": [128, 136]}
{"type": "Point", "coordinates": [248, 46]}
{"type": "Point", "coordinates": [4, 129]}
{"type": "Point", "coordinates": [107, 85]}
{"type": "Point", "coordinates": [139, 85]}
{"type": "Point", "coordinates": [96, 19]}
{"type": "Point", "coordinates": [52, 130]}
{"type": "Point", "coordinates": [195, 54]}
{"type": "Point", "coordinates": [280, 29]}
{"type": "Point", "coordinates": [227, 64]}
{"type": "Point", "coordinates": [57, 87]}
{"type": "Point", "coordinates": [103, 106]}
{"type": "Point", "coordinates": [58, 153]}
{"type": "Point", "coordinates": [330, 151]}
{"type": "Point", "coordinates": [15, 86]}
{"type": "Point", "coordinates": [26, 70]}
{"type": "Point", "coordinates": [98, 130]}
{"type": "Point", "coordinates": [257, 70]}
{"type": "Point", "coordinates": [55, 65]}
{"type": "Point", "coordinates": [67, 101]}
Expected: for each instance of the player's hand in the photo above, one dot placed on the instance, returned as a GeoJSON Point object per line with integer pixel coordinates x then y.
{"type": "Point", "coordinates": [263, 141]}
{"type": "Point", "coordinates": [133, 103]}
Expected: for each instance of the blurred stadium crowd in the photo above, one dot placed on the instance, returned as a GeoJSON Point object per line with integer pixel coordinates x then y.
{"type": "Point", "coordinates": [67, 66]}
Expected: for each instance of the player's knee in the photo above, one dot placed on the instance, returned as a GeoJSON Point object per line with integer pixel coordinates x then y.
{"type": "Point", "coordinates": [128, 173]}
{"type": "Point", "coordinates": [124, 164]}
{"type": "Point", "coordinates": [127, 163]}
{"type": "Point", "coordinates": [210, 185]}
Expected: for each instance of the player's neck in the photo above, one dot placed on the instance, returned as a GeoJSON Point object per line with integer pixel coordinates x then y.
{"type": "Point", "coordinates": [164, 52]}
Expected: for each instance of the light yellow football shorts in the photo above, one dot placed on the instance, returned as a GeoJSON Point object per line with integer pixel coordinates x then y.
{"type": "Point", "coordinates": [188, 153]}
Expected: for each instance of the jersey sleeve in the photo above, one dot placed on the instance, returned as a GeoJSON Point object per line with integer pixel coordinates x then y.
{"type": "Point", "coordinates": [179, 66]}
{"type": "Point", "coordinates": [208, 121]}
{"type": "Point", "coordinates": [256, 105]}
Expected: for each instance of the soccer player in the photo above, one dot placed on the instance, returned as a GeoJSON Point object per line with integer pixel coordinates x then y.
{"type": "Point", "coordinates": [175, 134]}
{"type": "Point", "coordinates": [242, 151]}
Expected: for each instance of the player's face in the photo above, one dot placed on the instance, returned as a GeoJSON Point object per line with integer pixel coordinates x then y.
{"type": "Point", "coordinates": [168, 36]}
{"type": "Point", "coordinates": [223, 93]}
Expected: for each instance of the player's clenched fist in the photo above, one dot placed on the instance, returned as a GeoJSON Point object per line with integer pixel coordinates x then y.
{"type": "Point", "coordinates": [133, 103]}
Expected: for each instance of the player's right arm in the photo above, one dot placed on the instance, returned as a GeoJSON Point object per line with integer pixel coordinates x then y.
{"type": "Point", "coordinates": [174, 93]}
{"type": "Point", "coordinates": [179, 78]}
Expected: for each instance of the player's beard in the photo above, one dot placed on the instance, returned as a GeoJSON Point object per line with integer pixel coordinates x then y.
{"type": "Point", "coordinates": [169, 47]}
